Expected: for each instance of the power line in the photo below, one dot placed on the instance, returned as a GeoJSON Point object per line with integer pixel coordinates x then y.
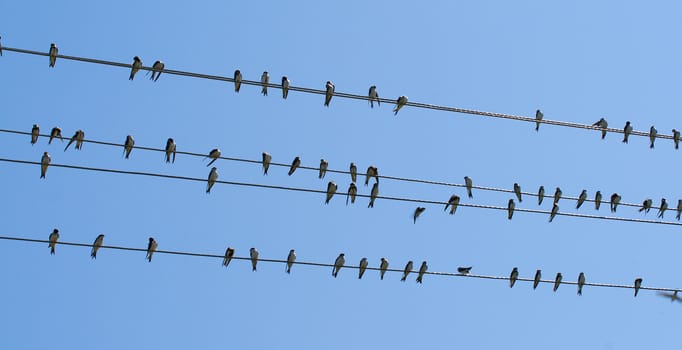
{"type": "Point", "coordinates": [297, 189]}
{"type": "Point", "coordinates": [347, 95]}
{"type": "Point", "coordinates": [328, 265]}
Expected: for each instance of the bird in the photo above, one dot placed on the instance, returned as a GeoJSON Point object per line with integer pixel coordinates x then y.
{"type": "Point", "coordinates": [78, 138]}
{"type": "Point", "coordinates": [538, 118]}
{"type": "Point", "coordinates": [557, 195]}
{"type": "Point", "coordinates": [638, 284]}
{"type": "Point", "coordinates": [581, 199]}
{"type": "Point", "coordinates": [170, 150]}
{"type": "Point", "coordinates": [383, 266]}
{"type": "Point", "coordinates": [372, 171]}
{"type": "Point", "coordinates": [422, 271]}
{"type": "Point", "coordinates": [557, 281]}
{"type": "Point", "coordinates": [212, 178]}
{"type": "Point", "coordinates": [627, 130]}
{"type": "Point", "coordinates": [541, 194]}
{"type": "Point", "coordinates": [373, 96]}
{"type": "Point", "coordinates": [253, 252]}
{"type": "Point", "coordinates": [679, 209]}
{"type": "Point", "coordinates": [581, 283]}
{"type": "Point", "coordinates": [555, 209]}
{"type": "Point", "coordinates": [56, 132]}
{"type": "Point", "coordinates": [469, 185]}
{"type": "Point", "coordinates": [597, 200]}
{"type": "Point", "coordinates": [536, 280]}
{"type": "Point", "coordinates": [672, 296]}
{"type": "Point", "coordinates": [603, 125]}
{"type": "Point", "coordinates": [267, 158]}
{"type": "Point", "coordinates": [229, 254]}
{"type": "Point", "coordinates": [416, 214]}
{"type": "Point", "coordinates": [137, 64]}
{"type": "Point", "coordinates": [331, 190]}
{"type": "Point", "coordinates": [285, 87]}
{"type": "Point", "coordinates": [373, 195]}
{"type": "Point", "coordinates": [510, 209]}
{"type": "Point", "coordinates": [453, 202]}
{"type": "Point", "coordinates": [151, 248]}
{"type": "Point", "coordinates": [513, 276]}
{"type": "Point", "coordinates": [35, 132]}
{"type": "Point", "coordinates": [96, 245]}
{"type": "Point", "coordinates": [323, 168]}
{"type": "Point", "coordinates": [54, 51]}
{"type": "Point", "coordinates": [646, 205]}
{"type": "Point", "coordinates": [353, 172]}
{"type": "Point", "coordinates": [265, 80]}
{"type": "Point", "coordinates": [44, 163]}
{"type": "Point", "coordinates": [676, 138]}
{"type": "Point", "coordinates": [652, 136]}
{"type": "Point", "coordinates": [662, 208]}
{"type": "Point", "coordinates": [128, 146]}
{"type": "Point", "coordinates": [352, 192]}
{"type": "Point", "coordinates": [400, 102]}
{"type": "Point", "coordinates": [329, 92]}
{"type": "Point", "coordinates": [464, 270]}
{"type": "Point", "coordinates": [517, 191]}
{"type": "Point", "coordinates": [294, 164]}
{"type": "Point", "coordinates": [157, 68]}
{"type": "Point", "coordinates": [407, 270]}
{"type": "Point", "coordinates": [615, 199]}
{"type": "Point", "coordinates": [338, 264]}
{"type": "Point", "coordinates": [214, 154]}
{"type": "Point", "coordinates": [237, 80]}
{"type": "Point", "coordinates": [54, 237]}
{"type": "Point", "coordinates": [290, 260]}
{"type": "Point", "coordinates": [363, 267]}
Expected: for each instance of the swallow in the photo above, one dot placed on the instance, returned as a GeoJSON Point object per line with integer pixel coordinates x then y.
{"type": "Point", "coordinates": [338, 264]}
{"type": "Point", "coordinates": [253, 252]}
{"type": "Point", "coordinates": [662, 208]}
{"type": "Point", "coordinates": [353, 172]}
{"type": "Point", "coordinates": [513, 276]}
{"type": "Point", "coordinates": [44, 163]}
{"type": "Point", "coordinates": [56, 132]}
{"type": "Point", "coordinates": [676, 138]}
{"type": "Point", "coordinates": [229, 254]}
{"type": "Point", "coordinates": [128, 146]}
{"type": "Point", "coordinates": [538, 118]}
{"type": "Point", "coordinates": [603, 125]}
{"type": "Point", "coordinates": [329, 92]}
{"type": "Point", "coordinates": [581, 199]}
{"type": "Point", "coordinates": [137, 64]}
{"type": "Point", "coordinates": [627, 130]}
{"type": "Point", "coordinates": [265, 80]}
{"type": "Point", "coordinates": [652, 136]}
{"type": "Point", "coordinates": [267, 158]}
{"type": "Point", "coordinates": [54, 237]}
{"type": "Point", "coordinates": [363, 267]}
{"type": "Point", "coordinates": [400, 102]}
{"type": "Point", "coordinates": [615, 199]}
{"type": "Point", "coordinates": [96, 245]}
{"type": "Point", "coordinates": [383, 266]}
{"type": "Point", "coordinates": [35, 132]}
{"type": "Point", "coordinates": [581, 283]}
{"type": "Point", "coordinates": [416, 214]}
{"type": "Point", "coordinates": [373, 95]}
{"type": "Point", "coordinates": [331, 190]}
{"type": "Point", "coordinates": [557, 195]}
{"type": "Point", "coordinates": [469, 185]}
{"type": "Point", "coordinates": [408, 269]}
{"type": "Point", "coordinates": [237, 80]}
{"type": "Point", "coordinates": [170, 150]}
{"type": "Point", "coordinates": [541, 194]}
{"type": "Point", "coordinates": [597, 200]}
{"type": "Point", "coordinates": [294, 165]}
{"type": "Point", "coordinates": [422, 271]}
{"type": "Point", "coordinates": [510, 209]}
{"type": "Point", "coordinates": [78, 137]}
{"type": "Point", "coordinates": [372, 171]}
{"type": "Point", "coordinates": [54, 51]}
{"type": "Point", "coordinates": [212, 178]}
{"type": "Point", "coordinates": [464, 270]}
{"type": "Point", "coordinates": [672, 296]}
{"type": "Point", "coordinates": [536, 280]}
{"type": "Point", "coordinates": [373, 195]}
{"type": "Point", "coordinates": [157, 68]}
{"type": "Point", "coordinates": [323, 168]}
{"type": "Point", "coordinates": [646, 205]}
{"type": "Point", "coordinates": [151, 248]}
{"type": "Point", "coordinates": [285, 87]}
{"type": "Point", "coordinates": [555, 209]}
{"type": "Point", "coordinates": [517, 191]}
{"type": "Point", "coordinates": [290, 260]}
{"type": "Point", "coordinates": [638, 284]}
{"type": "Point", "coordinates": [214, 154]}
{"type": "Point", "coordinates": [453, 202]}
{"type": "Point", "coordinates": [679, 209]}
{"type": "Point", "coordinates": [557, 281]}
{"type": "Point", "coordinates": [352, 192]}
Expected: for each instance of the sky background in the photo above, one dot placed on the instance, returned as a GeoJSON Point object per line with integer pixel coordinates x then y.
{"type": "Point", "coordinates": [576, 61]}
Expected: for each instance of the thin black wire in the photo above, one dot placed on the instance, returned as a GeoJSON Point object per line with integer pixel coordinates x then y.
{"type": "Point", "coordinates": [346, 95]}
{"type": "Point", "coordinates": [297, 189]}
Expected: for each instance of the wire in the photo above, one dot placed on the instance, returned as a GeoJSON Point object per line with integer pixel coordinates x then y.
{"type": "Point", "coordinates": [297, 189]}
{"type": "Point", "coordinates": [317, 264]}
{"type": "Point", "coordinates": [345, 95]}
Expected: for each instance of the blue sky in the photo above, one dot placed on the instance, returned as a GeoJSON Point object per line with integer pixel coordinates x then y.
{"type": "Point", "coordinates": [576, 61]}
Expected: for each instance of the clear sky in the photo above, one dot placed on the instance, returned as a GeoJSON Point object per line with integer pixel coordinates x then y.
{"type": "Point", "coordinates": [576, 61]}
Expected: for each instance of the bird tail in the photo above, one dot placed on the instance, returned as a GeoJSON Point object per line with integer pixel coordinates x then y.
{"type": "Point", "coordinates": [52, 250]}
{"type": "Point", "coordinates": [580, 291]}
{"type": "Point", "coordinates": [403, 279]}
{"type": "Point", "coordinates": [419, 279]}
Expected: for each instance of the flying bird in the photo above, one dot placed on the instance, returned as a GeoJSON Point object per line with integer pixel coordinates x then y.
{"type": "Point", "coordinates": [229, 254]}
{"type": "Point", "coordinates": [338, 264]}
{"type": "Point", "coordinates": [383, 266]}
{"type": "Point", "coordinates": [536, 280]}
{"type": "Point", "coordinates": [672, 296]}
{"type": "Point", "coordinates": [638, 284]}
{"type": "Point", "coordinates": [407, 270]}
{"type": "Point", "coordinates": [44, 163]}
{"type": "Point", "coordinates": [679, 209]}
{"type": "Point", "coordinates": [285, 87]}
{"type": "Point", "coordinates": [128, 146]}
{"type": "Point", "coordinates": [464, 270]}
{"type": "Point", "coordinates": [214, 154]}
{"type": "Point", "coordinates": [54, 51]}
{"type": "Point", "coordinates": [253, 252]}
{"type": "Point", "coordinates": [323, 168]}
{"type": "Point", "coordinates": [331, 190]}
{"type": "Point", "coordinates": [363, 267]}
{"type": "Point", "coordinates": [603, 125]}
{"type": "Point", "coordinates": [54, 237]}
{"type": "Point", "coordinates": [555, 209]}
{"type": "Point", "coordinates": [627, 130]}
{"type": "Point", "coordinates": [265, 80]}
{"type": "Point", "coordinates": [373, 96]}
{"type": "Point", "coordinates": [290, 260]}
{"type": "Point", "coordinates": [294, 165]}
{"type": "Point", "coordinates": [469, 185]}
{"type": "Point", "coordinates": [581, 283]}
{"type": "Point", "coordinates": [662, 208]}
{"type": "Point", "coordinates": [56, 132]}
{"type": "Point", "coordinates": [541, 194]}
{"type": "Point", "coordinates": [96, 245]}
{"type": "Point", "coordinates": [237, 80]}
{"type": "Point", "coordinates": [373, 195]}
{"type": "Point", "coordinates": [372, 171]}
{"type": "Point", "coordinates": [676, 138]}
{"type": "Point", "coordinates": [557, 281]}
{"type": "Point", "coordinates": [597, 200]}
{"type": "Point", "coordinates": [646, 205]}
{"type": "Point", "coordinates": [35, 132]}
{"type": "Point", "coordinates": [416, 214]}
{"type": "Point", "coordinates": [422, 271]}
{"type": "Point", "coordinates": [402, 101]}
{"type": "Point", "coordinates": [267, 158]}
{"type": "Point", "coordinates": [513, 276]}
{"type": "Point", "coordinates": [538, 118]}
{"type": "Point", "coordinates": [353, 172]}
{"type": "Point", "coordinates": [78, 138]}
{"type": "Point", "coordinates": [453, 202]}
{"type": "Point", "coordinates": [615, 199]}
{"type": "Point", "coordinates": [170, 150]}
{"type": "Point", "coordinates": [652, 136]}
{"type": "Point", "coordinates": [157, 68]}
{"type": "Point", "coordinates": [151, 248]}
{"type": "Point", "coordinates": [212, 178]}
{"type": "Point", "coordinates": [329, 92]}
{"type": "Point", "coordinates": [510, 209]}
{"type": "Point", "coordinates": [517, 191]}
{"type": "Point", "coordinates": [137, 64]}
{"type": "Point", "coordinates": [557, 195]}
{"type": "Point", "coordinates": [352, 192]}
{"type": "Point", "coordinates": [581, 199]}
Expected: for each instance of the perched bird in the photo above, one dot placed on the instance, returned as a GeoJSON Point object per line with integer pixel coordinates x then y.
{"type": "Point", "coordinates": [329, 92]}
{"type": "Point", "coordinates": [627, 130]}
{"type": "Point", "coordinates": [638, 284]}
{"type": "Point", "coordinates": [541, 194]}
{"type": "Point", "coordinates": [416, 214]}
{"type": "Point", "coordinates": [35, 132]}
{"type": "Point", "coordinates": [510, 209]}
{"type": "Point", "coordinates": [422, 271]}
{"type": "Point", "coordinates": [331, 190]}
{"type": "Point", "coordinates": [170, 150]}
{"type": "Point", "coordinates": [513, 276]}
{"type": "Point", "coordinates": [265, 80]}
{"type": "Point", "coordinates": [581, 283]}
{"type": "Point", "coordinates": [352, 192]}
{"type": "Point", "coordinates": [469, 185]}
{"type": "Point", "coordinates": [603, 125]}
{"type": "Point", "coordinates": [290, 260]}
{"type": "Point", "coordinates": [646, 205]}
{"type": "Point", "coordinates": [237, 80]}
{"type": "Point", "coordinates": [676, 138]}
{"type": "Point", "coordinates": [294, 165]}
{"type": "Point", "coordinates": [662, 208]}
{"type": "Point", "coordinates": [517, 191]}
{"type": "Point", "coordinates": [372, 171]}
{"type": "Point", "coordinates": [363, 267]}
{"type": "Point", "coordinates": [212, 178]}
{"type": "Point", "coordinates": [323, 168]}
{"type": "Point", "coordinates": [78, 138]}
{"type": "Point", "coordinates": [157, 68]}
{"type": "Point", "coordinates": [672, 296]}
{"type": "Point", "coordinates": [679, 209]}
{"type": "Point", "coordinates": [96, 245]}
{"type": "Point", "coordinates": [597, 200]}
{"type": "Point", "coordinates": [581, 199]}
{"type": "Point", "coordinates": [44, 163]}
{"type": "Point", "coordinates": [229, 254]}
{"type": "Point", "coordinates": [338, 264]}
{"type": "Point", "coordinates": [383, 266]}
{"type": "Point", "coordinates": [538, 118]}
{"type": "Point", "coordinates": [54, 51]}
{"type": "Point", "coordinates": [536, 280]}
{"type": "Point", "coordinates": [615, 199]}
{"type": "Point", "coordinates": [214, 154]}
{"type": "Point", "coordinates": [54, 237]}
{"type": "Point", "coordinates": [557, 195]}
{"type": "Point", "coordinates": [56, 132]}
{"type": "Point", "coordinates": [353, 172]}
{"type": "Point", "coordinates": [253, 252]}
{"type": "Point", "coordinates": [285, 87]}
{"type": "Point", "coordinates": [267, 158]}
{"type": "Point", "coordinates": [453, 202]}
{"type": "Point", "coordinates": [555, 209]}
{"type": "Point", "coordinates": [652, 136]}
{"type": "Point", "coordinates": [151, 248]}
{"type": "Point", "coordinates": [128, 146]}
{"type": "Point", "coordinates": [557, 281]}
{"type": "Point", "coordinates": [373, 195]}
{"type": "Point", "coordinates": [464, 270]}
{"type": "Point", "coordinates": [408, 269]}
{"type": "Point", "coordinates": [402, 101]}
{"type": "Point", "coordinates": [137, 64]}
{"type": "Point", "coordinates": [373, 96]}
